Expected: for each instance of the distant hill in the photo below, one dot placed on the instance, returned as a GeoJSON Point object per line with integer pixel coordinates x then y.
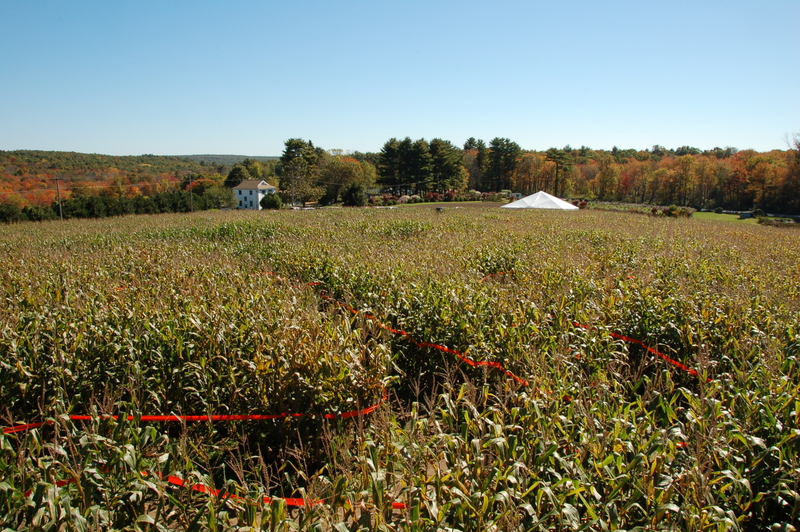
{"type": "Point", "coordinates": [228, 160]}
{"type": "Point", "coordinates": [72, 164]}
{"type": "Point", "coordinates": [35, 177]}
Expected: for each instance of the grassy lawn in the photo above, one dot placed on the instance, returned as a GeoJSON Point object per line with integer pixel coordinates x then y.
{"type": "Point", "coordinates": [730, 218]}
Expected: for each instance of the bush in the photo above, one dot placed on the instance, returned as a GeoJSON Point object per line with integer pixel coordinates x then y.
{"type": "Point", "coordinates": [673, 211]}
{"type": "Point", "coordinates": [433, 196]}
{"type": "Point", "coordinates": [354, 196]}
{"type": "Point", "coordinates": [777, 222]}
{"type": "Point", "coordinates": [217, 197]}
{"type": "Point", "coordinates": [10, 213]}
{"type": "Point", "coordinates": [35, 213]}
{"type": "Point", "coordinates": [718, 210]}
{"type": "Point", "coordinates": [492, 196]}
{"type": "Point", "coordinates": [271, 201]}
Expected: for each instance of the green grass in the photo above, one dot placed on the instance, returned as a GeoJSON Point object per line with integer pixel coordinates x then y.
{"type": "Point", "coordinates": [714, 217]}
{"type": "Point", "coordinates": [176, 314]}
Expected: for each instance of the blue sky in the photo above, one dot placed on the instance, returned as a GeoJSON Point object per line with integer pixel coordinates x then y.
{"type": "Point", "coordinates": [240, 77]}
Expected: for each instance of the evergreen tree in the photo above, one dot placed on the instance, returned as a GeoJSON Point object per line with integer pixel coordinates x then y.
{"type": "Point", "coordinates": [389, 163]}
{"type": "Point", "coordinates": [418, 165]}
{"type": "Point", "coordinates": [237, 174]}
{"type": "Point", "coordinates": [563, 162]}
{"type": "Point", "coordinates": [447, 169]}
{"type": "Point", "coordinates": [354, 196]}
{"type": "Point", "coordinates": [503, 159]}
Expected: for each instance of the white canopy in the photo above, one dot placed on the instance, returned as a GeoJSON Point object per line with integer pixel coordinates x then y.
{"type": "Point", "coordinates": [540, 200]}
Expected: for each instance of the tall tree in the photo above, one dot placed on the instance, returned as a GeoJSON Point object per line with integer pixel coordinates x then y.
{"type": "Point", "coordinates": [254, 168]}
{"type": "Point", "coordinates": [299, 148]}
{"type": "Point", "coordinates": [299, 170]}
{"type": "Point", "coordinates": [532, 174]}
{"type": "Point", "coordinates": [405, 164]}
{"type": "Point", "coordinates": [563, 162]}
{"type": "Point", "coordinates": [447, 169]}
{"type": "Point", "coordinates": [475, 158]}
{"type": "Point", "coordinates": [338, 173]}
{"type": "Point", "coordinates": [790, 186]}
{"type": "Point", "coordinates": [503, 159]}
{"type": "Point", "coordinates": [417, 164]}
{"type": "Point", "coordinates": [237, 174]}
{"type": "Point", "coordinates": [389, 163]}
{"type": "Point", "coordinates": [607, 176]}
{"type": "Point", "coordinates": [481, 160]}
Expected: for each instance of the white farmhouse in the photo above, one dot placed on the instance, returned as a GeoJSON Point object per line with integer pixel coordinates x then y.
{"type": "Point", "coordinates": [250, 191]}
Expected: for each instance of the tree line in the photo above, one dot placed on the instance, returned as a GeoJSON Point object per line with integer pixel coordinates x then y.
{"type": "Point", "coordinates": [101, 206]}
{"type": "Point", "coordinates": [724, 178]}
{"type": "Point", "coordinates": [719, 178]}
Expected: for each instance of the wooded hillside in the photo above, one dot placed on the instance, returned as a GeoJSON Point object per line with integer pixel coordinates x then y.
{"type": "Point", "coordinates": [719, 178]}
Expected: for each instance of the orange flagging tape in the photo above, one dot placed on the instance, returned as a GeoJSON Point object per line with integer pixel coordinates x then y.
{"type": "Point", "coordinates": [202, 488]}
{"type": "Point", "coordinates": [400, 332]}
{"type": "Point", "coordinates": [442, 348]}
{"type": "Point", "coordinates": [649, 349]}
{"type": "Point", "coordinates": [221, 417]}
{"type": "Point", "coordinates": [290, 501]}
{"type": "Point", "coordinates": [655, 352]}
{"type": "Point", "coordinates": [495, 274]}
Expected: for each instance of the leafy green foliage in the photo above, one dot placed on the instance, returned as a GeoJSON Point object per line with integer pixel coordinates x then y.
{"type": "Point", "coordinates": [271, 201]}
{"type": "Point", "coordinates": [502, 161]}
{"type": "Point", "coordinates": [237, 174]}
{"type": "Point", "coordinates": [354, 196]}
{"type": "Point", "coordinates": [178, 314]}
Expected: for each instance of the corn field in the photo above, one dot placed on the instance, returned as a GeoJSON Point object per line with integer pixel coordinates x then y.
{"type": "Point", "coordinates": [296, 314]}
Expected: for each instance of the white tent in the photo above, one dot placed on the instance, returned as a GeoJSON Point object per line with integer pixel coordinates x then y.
{"type": "Point", "coordinates": [540, 200]}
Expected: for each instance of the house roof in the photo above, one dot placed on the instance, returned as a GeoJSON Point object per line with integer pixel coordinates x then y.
{"type": "Point", "coordinates": [254, 184]}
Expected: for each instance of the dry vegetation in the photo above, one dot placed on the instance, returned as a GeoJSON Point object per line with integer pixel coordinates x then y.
{"type": "Point", "coordinates": [176, 314]}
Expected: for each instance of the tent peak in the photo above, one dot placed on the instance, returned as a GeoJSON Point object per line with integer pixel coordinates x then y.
{"type": "Point", "coordinates": [540, 200]}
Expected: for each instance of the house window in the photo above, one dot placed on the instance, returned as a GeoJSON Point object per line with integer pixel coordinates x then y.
{"type": "Point", "coordinates": [251, 192]}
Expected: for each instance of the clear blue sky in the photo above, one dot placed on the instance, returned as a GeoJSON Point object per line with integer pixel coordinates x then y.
{"type": "Point", "coordinates": [240, 77]}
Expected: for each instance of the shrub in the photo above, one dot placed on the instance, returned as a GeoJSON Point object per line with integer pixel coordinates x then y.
{"type": "Point", "coordinates": [271, 201]}
{"type": "Point", "coordinates": [10, 213]}
{"type": "Point", "coordinates": [354, 196]}
{"type": "Point", "coordinates": [673, 211]}
{"type": "Point", "coordinates": [492, 196]}
{"type": "Point", "coordinates": [433, 196]}
{"type": "Point", "coordinates": [777, 222]}
{"type": "Point", "coordinates": [718, 210]}
{"type": "Point", "coordinates": [35, 213]}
